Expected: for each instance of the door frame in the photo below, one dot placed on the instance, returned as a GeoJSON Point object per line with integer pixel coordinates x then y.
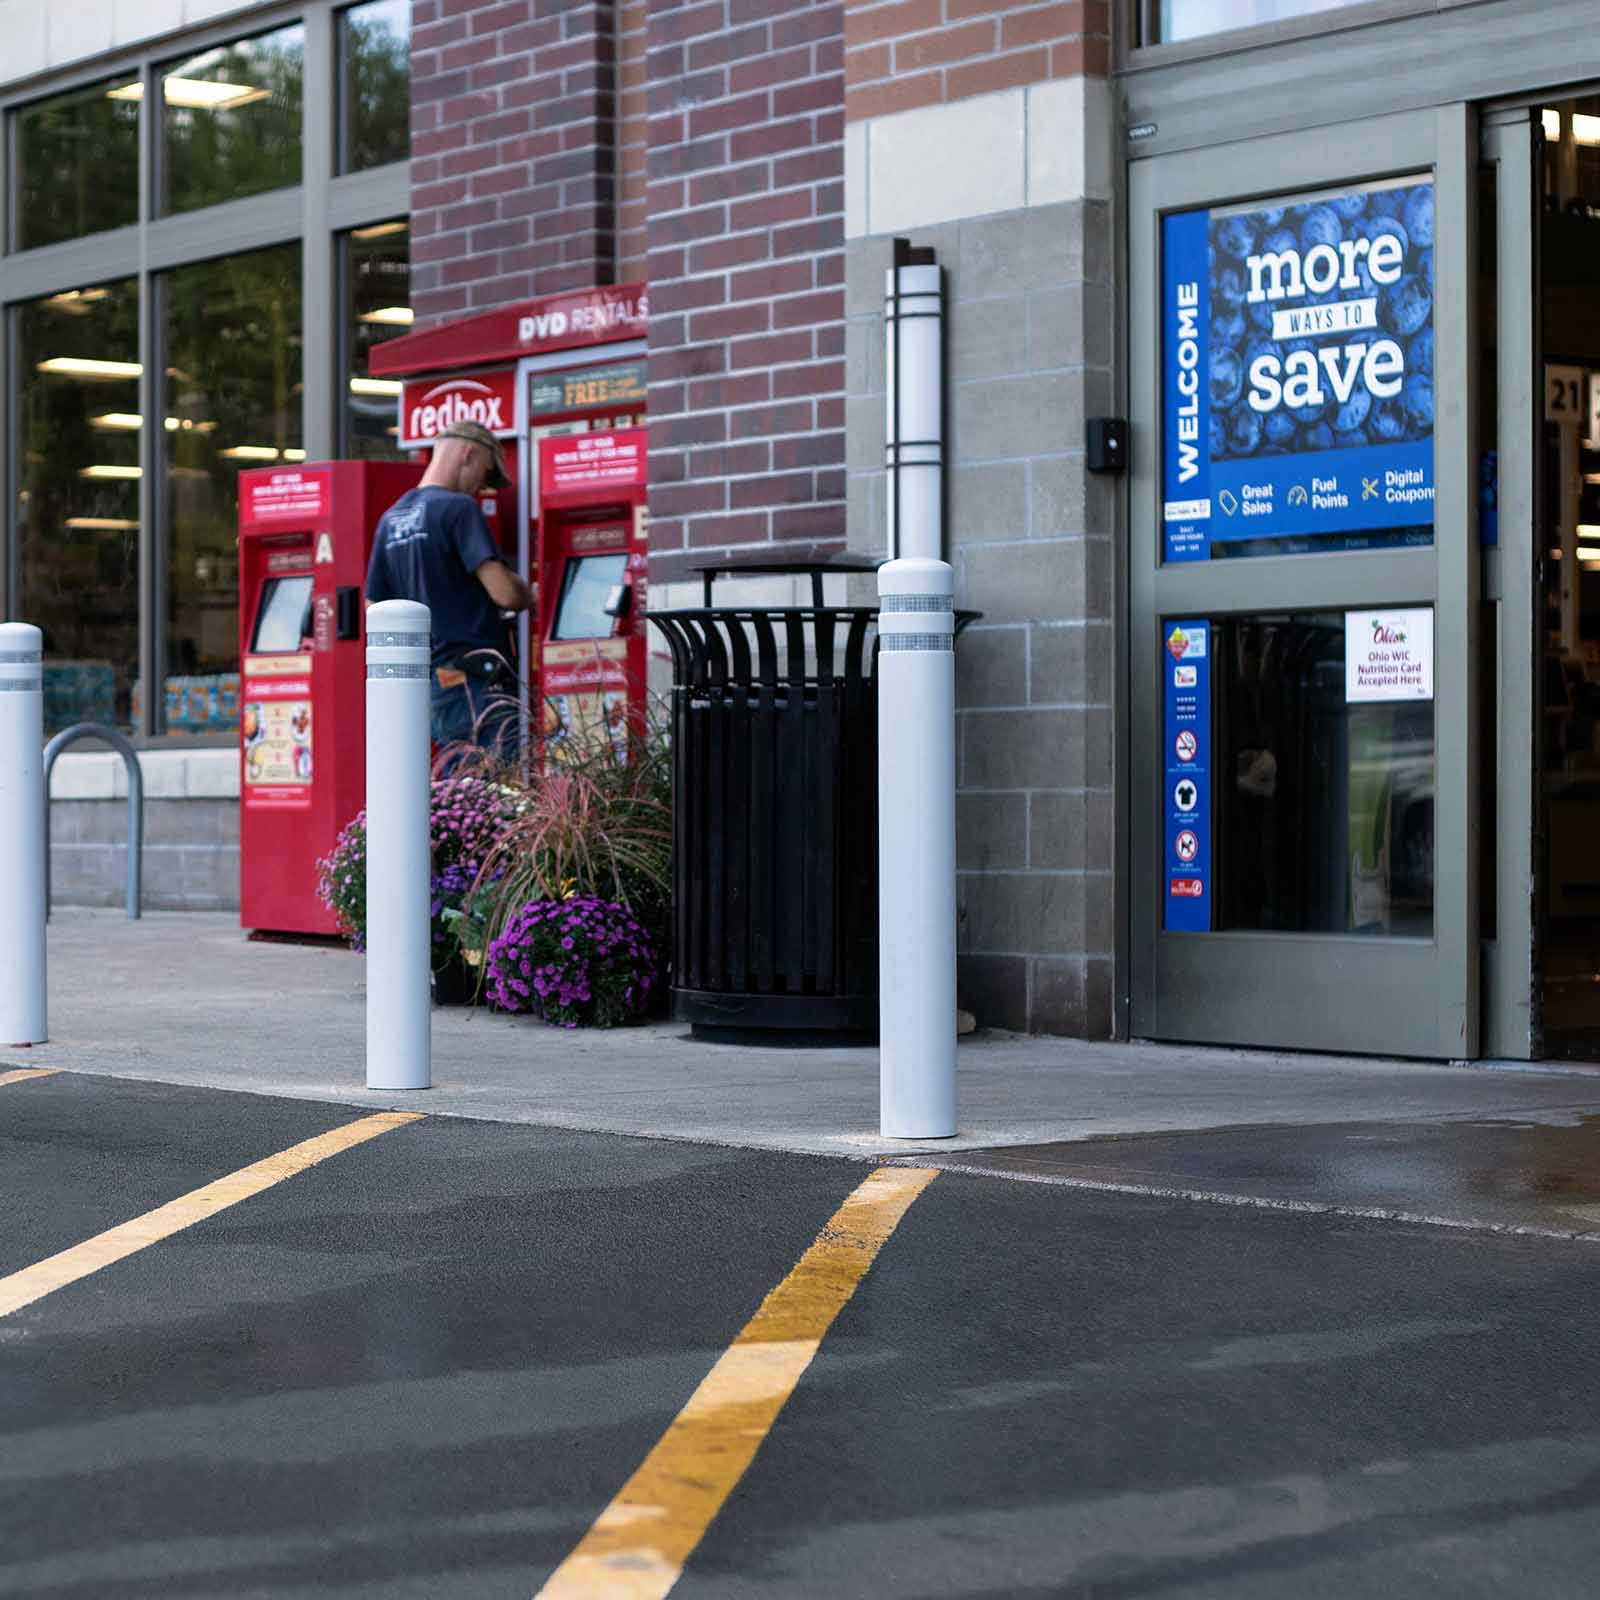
{"type": "Point", "coordinates": [1353, 993]}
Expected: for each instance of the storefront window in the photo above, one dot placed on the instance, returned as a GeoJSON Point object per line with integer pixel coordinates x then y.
{"type": "Point", "coordinates": [377, 308]}
{"type": "Point", "coordinates": [1173, 21]}
{"type": "Point", "coordinates": [1297, 409]}
{"type": "Point", "coordinates": [77, 507]}
{"type": "Point", "coordinates": [231, 120]}
{"type": "Point", "coordinates": [234, 362]}
{"type": "Point", "coordinates": [1324, 772]}
{"type": "Point", "coordinates": [375, 60]}
{"type": "Point", "coordinates": [77, 165]}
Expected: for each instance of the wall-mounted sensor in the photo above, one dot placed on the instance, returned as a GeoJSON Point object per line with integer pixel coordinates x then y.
{"type": "Point", "coordinates": [1106, 442]}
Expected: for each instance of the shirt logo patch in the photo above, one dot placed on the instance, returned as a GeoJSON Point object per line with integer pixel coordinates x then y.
{"type": "Point", "coordinates": [406, 523]}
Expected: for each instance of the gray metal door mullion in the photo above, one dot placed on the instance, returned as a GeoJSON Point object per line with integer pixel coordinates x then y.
{"type": "Point", "coordinates": [1510, 1015]}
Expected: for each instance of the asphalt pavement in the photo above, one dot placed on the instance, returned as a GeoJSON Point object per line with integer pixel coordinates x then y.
{"type": "Point", "coordinates": [428, 1363]}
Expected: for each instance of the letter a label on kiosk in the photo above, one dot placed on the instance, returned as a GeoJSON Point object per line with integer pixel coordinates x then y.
{"type": "Point", "coordinates": [1186, 775]}
{"type": "Point", "coordinates": [1297, 388]}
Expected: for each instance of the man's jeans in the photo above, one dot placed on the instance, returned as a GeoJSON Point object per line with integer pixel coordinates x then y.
{"type": "Point", "coordinates": [480, 713]}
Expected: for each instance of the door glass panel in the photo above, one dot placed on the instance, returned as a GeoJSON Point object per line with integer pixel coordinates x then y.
{"type": "Point", "coordinates": [1297, 407]}
{"type": "Point", "coordinates": [1323, 799]}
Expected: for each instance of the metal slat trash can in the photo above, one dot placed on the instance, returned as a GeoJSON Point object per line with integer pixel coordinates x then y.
{"type": "Point", "coordinates": [775, 880]}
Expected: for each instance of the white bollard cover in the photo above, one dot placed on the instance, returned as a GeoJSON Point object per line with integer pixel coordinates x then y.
{"type": "Point", "coordinates": [399, 753]}
{"type": "Point", "coordinates": [22, 825]}
{"type": "Point", "coordinates": [916, 850]}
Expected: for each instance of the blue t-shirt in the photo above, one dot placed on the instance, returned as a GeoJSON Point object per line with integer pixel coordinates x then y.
{"type": "Point", "coordinates": [429, 546]}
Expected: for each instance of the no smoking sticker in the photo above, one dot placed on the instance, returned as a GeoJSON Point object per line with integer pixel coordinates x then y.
{"type": "Point", "coordinates": [1187, 846]}
{"type": "Point", "coordinates": [1187, 746]}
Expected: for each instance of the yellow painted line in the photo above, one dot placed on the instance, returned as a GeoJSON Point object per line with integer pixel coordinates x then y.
{"type": "Point", "coordinates": [638, 1547]}
{"type": "Point", "coordinates": [22, 1074]}
{"type": "Point", "coordinates": [33, 1283]}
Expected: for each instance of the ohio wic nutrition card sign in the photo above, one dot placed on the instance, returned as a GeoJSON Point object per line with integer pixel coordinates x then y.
{"type": "Point", "coordinates": [1297, 346]}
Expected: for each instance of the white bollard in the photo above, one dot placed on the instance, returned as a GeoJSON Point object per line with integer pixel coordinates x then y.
{"type": "Point", "coordinates": [399, 1005]}
{"type": "Point", "coordinates": [916, 850]}
{"type": "Point", "coordinates": [22, 825]}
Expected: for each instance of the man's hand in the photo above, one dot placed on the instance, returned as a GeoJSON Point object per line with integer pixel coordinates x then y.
{"type": "Point", "coordinates": [506, 589]}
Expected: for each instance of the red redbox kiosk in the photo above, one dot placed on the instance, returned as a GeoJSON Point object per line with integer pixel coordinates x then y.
{"type": "Point", "coordinates": [305, 536]}
{"type": "Point", "coordinates": [593, 556]}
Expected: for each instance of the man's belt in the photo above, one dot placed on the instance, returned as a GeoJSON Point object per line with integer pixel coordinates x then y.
{"type": "Point", "coordinates": [484, 667]}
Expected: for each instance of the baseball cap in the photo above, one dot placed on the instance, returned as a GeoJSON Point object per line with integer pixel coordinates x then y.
{"type": "Point", "coordinates": [476, 433]}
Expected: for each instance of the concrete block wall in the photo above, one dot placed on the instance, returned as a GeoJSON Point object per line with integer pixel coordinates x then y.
{"type": "Point", "coordinates": [746, 270]}
{"type": "Point", "coordinates": [513, 151]}
{"type": "Point", "coordinates": [1012, 188]}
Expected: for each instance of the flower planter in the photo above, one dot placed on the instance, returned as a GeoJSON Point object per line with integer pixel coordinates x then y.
{"type": "Point", "coordinates": [454, 984]}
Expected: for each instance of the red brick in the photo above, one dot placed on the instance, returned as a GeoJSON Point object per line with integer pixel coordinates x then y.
{"type": "Point", "coordinates": [809, 238]}
{"type": "Point", "coordinates": [807, 27]}
{"type": "Point", "coordinates": [866, 24]}
{"type": "Point", "coordinates": [822, 377]}
{"type": "Point", "coordinates": [814, 166]}
{"type": "Point", "coordinates": [500, 236]}
{"type": "Point", "coordinates": [782, 277]}
{"type": "Point", "coordinates": [725, 461]}
{"type": "Point", "coordinates": [808, 450]}
{"type": "Point", "coordinates": [895, 94]}
{"type": "Point", "coordinates": [731, 322]}
{"type": "Point", "coordinates": [940, 49]}
{"type": "Point", "coordinates": [862, 66]}
{"type": "Point", "coordinates": [819, 94]}
{"type": "Point", "coordinates": [747, 111]}
{"type": "Point", "coordinates": [683, 227]}
{"type": "Point", "coordinates": [735, 45]}
{"type": "Point", "coordinates": [1041, 25]}
{"type": "Point", "coordinates": [469, 53]}
{"type": "Point", "coordinates": [788, 66]}
{"type": "Point", "coordinates": [719, 394]}
{"type": "Point", "coordinates": [730, 184]}
{"type": "Point", "coordinates": [775, 138]}
{"type": "Point", "coordinates": [491, 19]}
{"type": "Point", "coordinates": [808, 310]}
{"type": "Point", "coordinates": [789, 205]}
{"type": "Point", "coordinates": [692, 361]}
{"type": "Point", "coordinates": [830, 413]}
{"type": "Point", "coordinates": [686, 498]}
{"type": "Point", "coordinates": [770, 349]}
{"type": "Point", "coordinates": [1000, 72]}
{"type": "Point", "coordinates": [810, 522]}
{"type": "Point", "coordinates": [783, 489]}
{"type": "Point", "coordinates": [746, 528]}
{"type": "Point", "coordinates": [708, 427]}
{"type": "Point", "coordinates": [719, 254]}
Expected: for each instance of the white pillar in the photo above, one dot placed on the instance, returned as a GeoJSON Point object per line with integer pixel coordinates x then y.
{"type": "Point", "coordinates": [914, 379]}
{"type": "Point", "coordinates": [399, 1006]}
{"type": "Point", "coordinates": [916, 850]}
{"type": "Point", "coordinates": [22, 825]}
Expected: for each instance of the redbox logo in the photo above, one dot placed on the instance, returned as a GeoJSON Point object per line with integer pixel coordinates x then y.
{"type": "Point", "coordinates": [461, 400]}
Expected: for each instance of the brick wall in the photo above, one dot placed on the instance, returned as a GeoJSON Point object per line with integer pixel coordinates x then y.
{"type": "Point", "coordinates": [746, 271]}
{"type": "Point", "coordinates": [513, 151]}
{"type": "Point", "coordinates": [901, 54]}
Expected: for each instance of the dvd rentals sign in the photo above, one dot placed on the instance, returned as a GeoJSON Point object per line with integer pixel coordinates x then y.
{"type": "Point", "coordinates": [429, 405]}
{"type": "Point", "coordinates": [1297, 344]}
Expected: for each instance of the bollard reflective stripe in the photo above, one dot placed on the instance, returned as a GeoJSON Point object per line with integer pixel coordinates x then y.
{"type": "Point", "coordinates": [399, 750]}
{"type": "Point", "coordinates": [22, 836]}
{"type": "Point", "coordinates": [916, 850]}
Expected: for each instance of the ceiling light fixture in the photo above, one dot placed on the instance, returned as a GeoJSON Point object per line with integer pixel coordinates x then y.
{"type": "Point", "coordinates": [88, 367]}
{"type": "Point", "coordinates": [1551, 121]}
{"type": "Point", "coordinates": [376, 386]}
{"type": "Point", "coordinates": [110, 472]}
{"type": "Point", "coordinates": [107, 524]}
{"type": "Point", "coordinates": [196, 94]}
{"type": "Point", "coordinates": [250, 452]}
{"type": "Point", "coordinates": [1585, 130]}
{"type": "Point", "coordinates": [391, 316]}
{"type": "Point", "coordinates": [379, 230]}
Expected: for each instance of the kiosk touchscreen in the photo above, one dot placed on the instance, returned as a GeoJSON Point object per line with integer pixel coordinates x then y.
{"type": "Point", "coordinates": [305, 535]}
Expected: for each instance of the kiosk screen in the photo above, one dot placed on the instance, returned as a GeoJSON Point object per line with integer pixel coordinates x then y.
{"type": "Point", "coordinates": [284, 618]}
{"type": "Point", "coordinates": [584, 587]}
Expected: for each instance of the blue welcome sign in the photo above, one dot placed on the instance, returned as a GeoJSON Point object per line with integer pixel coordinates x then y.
{"type": "Point", "coordinates": [1297, 346]}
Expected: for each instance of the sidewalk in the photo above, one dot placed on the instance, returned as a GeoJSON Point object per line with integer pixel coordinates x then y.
{"type": "Point", "coordinates": [184, 998]}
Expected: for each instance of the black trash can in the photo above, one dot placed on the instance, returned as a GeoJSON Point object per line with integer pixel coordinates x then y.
{"type": "Point", "coordinates": [775, 812]}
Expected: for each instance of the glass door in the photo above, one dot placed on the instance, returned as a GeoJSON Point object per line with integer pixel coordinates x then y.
{"type": "Point", "coordinates": [1305, 591]}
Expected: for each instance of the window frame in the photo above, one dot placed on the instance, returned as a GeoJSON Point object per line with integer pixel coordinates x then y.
{"type": "Point", "coordinates": [315, 213]}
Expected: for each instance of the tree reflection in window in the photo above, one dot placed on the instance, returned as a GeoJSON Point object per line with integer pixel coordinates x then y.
{"type": "Point", "coordinates": [77, 165]}
{"type": "Point", "coordinates": [375, 53]}
{"type": "Point", "coordinates": [233, 343]}
{"type": "Point", "coordinates": [77, 506]}
{"type": "Point", "coordinates": [231, 120]}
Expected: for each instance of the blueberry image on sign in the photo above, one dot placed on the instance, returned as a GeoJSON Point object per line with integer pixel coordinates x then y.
{"type": "Point", "coordinates": [1244, 432]}
{"type": "Point", "coordinates": [1407, 306]}
{"type": "Point", "coordinates": [1387, 423]}
{"type": "Point", "coordinates": [1419, 214]}
{"type": "Point", "coordinates": [1227, 376]}
{"type": "Point", "coordinates": [1321, 226]}
{"type": "Point", "coordinates": [1419, 355]}
{"type": "Point", "coordinates": [1236, 237]}
{"type": "Point", "coordinates": [1419, 402]}
{"type": "Point", "coordinates": [1281, 430]}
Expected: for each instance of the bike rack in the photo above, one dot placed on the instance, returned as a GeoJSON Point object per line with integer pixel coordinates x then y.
{"type": "Point", "coordinates": [130, 760]}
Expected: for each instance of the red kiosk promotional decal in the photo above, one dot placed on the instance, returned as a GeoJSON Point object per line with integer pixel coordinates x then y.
{"type": "Point", "coordinates": [597, 461]}
{"type": "Point", "coordinates": [291, 495]}
{"type": "Point", "coordinates": [275, 728]}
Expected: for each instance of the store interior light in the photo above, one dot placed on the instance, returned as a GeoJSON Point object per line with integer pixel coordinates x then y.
{"type": "Point", "coordinates": [1552, 125]}
{"type": "Point", "coordinates": [76, 302]}
{"type": "Point", "coordinates": [294, 455]}
{"type": "Point", "coordinates": [250, 452]}
{"type": "Point", "coordinates": [198, 94]}
{"type": "Point", "coordinates": [392, 316]}
{"type": "Point", "coordinates": [1585, 130]}
{"type": "Point", "coordinates": [379, 230]}
{"type": "Point", "coordinates": [109, 472]}
{"type": "Point", "coordinates": [1589, 552]}
{"type": "Point", "coordinates": [376, 386]}
{"type": "Point", "coordinates": [117, 421]}
{"type": "Point", "coordinates": [104, 524]}
{"type": "Point", "coordinates": [88, 367]}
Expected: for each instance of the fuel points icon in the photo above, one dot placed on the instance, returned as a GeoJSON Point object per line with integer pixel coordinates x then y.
{"type": "Point", "coordinates": [1298, 495]}
{"type": "Point", "coordinates": [1186, 846]}
{"type": "Point", "coordinates": [1186, 796]}
{"type": "Point", "coordinates": [1187, 746]}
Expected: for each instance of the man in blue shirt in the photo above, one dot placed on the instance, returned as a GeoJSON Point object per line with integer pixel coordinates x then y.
{"type": "Point", "coordinates": [434, 545]}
